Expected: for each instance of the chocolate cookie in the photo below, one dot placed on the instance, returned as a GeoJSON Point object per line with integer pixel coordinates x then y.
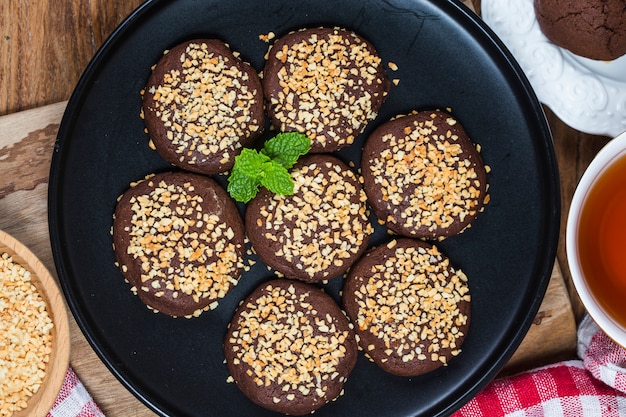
{"type": "Point", "coordinates": [423, 175]}
{"type": "Point", "coordinates": [327, 83]}
{"type": "Point", "coordinates": [179, 241]}
{"type": "Point", "coordinates": [320, 230]}
{"type": "Point", "coordinates": [409, 306]}
{"type": "Point", "coordinates": [289, 347]}
{"type": "Point", "coordinates": [201, 105]}
{"type": "Point", "coordinates": [594, 29]}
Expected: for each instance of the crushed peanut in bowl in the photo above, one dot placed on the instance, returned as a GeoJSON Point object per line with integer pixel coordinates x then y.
{"type": "Point", "coordinates": [26, 333]}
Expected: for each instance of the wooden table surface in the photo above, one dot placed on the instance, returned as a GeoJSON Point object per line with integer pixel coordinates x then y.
{"type": "Point", "coordinates": [44, 48]}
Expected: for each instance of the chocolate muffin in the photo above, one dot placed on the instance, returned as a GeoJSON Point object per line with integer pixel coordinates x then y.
{"type": "Point", "coordinates": [201, 105]}
{"type": "Point", "coordinates": [409, 306]}
{"type": "Point", "coordinates": [423, 175]}
{"type": "Point", "coordinates": [319, 231]}
{"type": "Point", "coordinates": [328, 83]}
{"type": "Point", "coordinates": [289, 347]}
{"type": "Point", "coordinates": [179, 241]}
{"type": "Point", "coordinates": [594, 29]}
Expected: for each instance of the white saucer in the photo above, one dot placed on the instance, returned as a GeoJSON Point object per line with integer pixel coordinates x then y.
{"type": "Point", "coordinates": [588, 95]}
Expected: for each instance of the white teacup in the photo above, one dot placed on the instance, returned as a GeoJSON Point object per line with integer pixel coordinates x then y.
{"type": "Point", "coordinates": [597, 269]}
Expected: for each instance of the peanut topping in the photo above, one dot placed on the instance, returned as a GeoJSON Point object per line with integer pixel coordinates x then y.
{"type": "Point", "coordinates": [411, 303]}
{"type": "Point", "coordinates": [207, 106]}
{"type": "Point", "coordinates": [181, 245]}
{"type": "Point", "coordinates": [283, 340]}
{"type": "Point", "coordinates": [324, 222]}
{"type": "Point", "coordinates": [25, 337]}
{"type": "Point", "coordinates": [426, 179]}
{"type": "Point", "coordinates": [267, 37]}
{"type": "Point", "coordinates": [325, 87]}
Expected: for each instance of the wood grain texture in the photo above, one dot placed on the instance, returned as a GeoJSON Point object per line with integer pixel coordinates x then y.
{"type": "Point", "coordinates": [45, 46]}
{"type": "Point", "coordinates": [553, 331]}
{"type": "Point", "coordinates": [574, 151]}
{"type": "Point", "coordinates": [28, 151]}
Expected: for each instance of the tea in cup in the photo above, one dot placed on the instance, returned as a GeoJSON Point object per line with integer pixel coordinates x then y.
{"type": "Point", "coordinates": [596, 239]}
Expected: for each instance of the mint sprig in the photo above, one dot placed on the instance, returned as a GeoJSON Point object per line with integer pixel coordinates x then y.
{"type": "Point", "coordinates": [286, 148]}
{"type": "Point", "coordinates": [267, 168]}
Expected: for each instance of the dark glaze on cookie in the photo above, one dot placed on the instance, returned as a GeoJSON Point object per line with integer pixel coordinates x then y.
{"type": "Point", "coordinates": [409, 306]}
{"type": "Point", "coordinates": [328, 83]}
{"type": "Point", "coordinates": [289, 347]}
{"type": "Point", "coordinates": [201, 105]}
{"type": "Point", "coordinates": [179, 241]}
{"type": "Point", "coordinates": [423, 176]}
{"type": "Point", "coordinates": [319, 231]}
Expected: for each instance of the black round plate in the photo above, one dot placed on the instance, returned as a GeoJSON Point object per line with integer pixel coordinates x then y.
{"type": "Point", "coordinates": [447, 58]}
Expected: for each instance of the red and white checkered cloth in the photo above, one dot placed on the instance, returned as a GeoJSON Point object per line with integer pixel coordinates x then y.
{"type": "Point", "coordinates": [594, 386]}
{"type": "Point", "coordinates": [74, 400]}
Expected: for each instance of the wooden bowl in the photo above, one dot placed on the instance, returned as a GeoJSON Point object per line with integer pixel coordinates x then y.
{"type": "Point", "coordinates": [43, 399]}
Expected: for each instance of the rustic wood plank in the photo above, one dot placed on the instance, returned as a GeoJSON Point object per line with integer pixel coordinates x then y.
{"type": "Point", "coordinates": [575, 151]}
{"type": "Point", "coordinates": [28, 149]}
{"type": "Point", "coordinates": [553, 331]}
{"type": "Point", "coordinates": [45, 45]}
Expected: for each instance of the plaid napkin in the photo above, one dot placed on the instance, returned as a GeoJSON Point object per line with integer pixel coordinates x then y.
{"type": "Point", "coordinates": [605, 359]}
{"type": "Point", "coordinates": [594, 386]}
{"type": "Point", "coordinates": [74, 400]}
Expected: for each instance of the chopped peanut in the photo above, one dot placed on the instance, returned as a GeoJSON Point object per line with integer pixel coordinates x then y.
{"type": "Point", "coordinates": [25, 337]}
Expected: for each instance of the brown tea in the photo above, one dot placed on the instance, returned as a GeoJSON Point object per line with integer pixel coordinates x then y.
{"type": "Point", "coordinates": [602, 240]}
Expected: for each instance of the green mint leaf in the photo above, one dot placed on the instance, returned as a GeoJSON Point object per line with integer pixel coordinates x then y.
{"type": "Point", "coordinates": [286, 148]}
{"type": "Point", "coordinates": [242, 187]}
{"type": "Point", "coordinates": [250, 163]}
{"type": "Point", "coordinates": [276, 178]}
{"type": "Point", "coordinates": [244, 179]}
{"type": "Point", "coordinates": [268, 168]}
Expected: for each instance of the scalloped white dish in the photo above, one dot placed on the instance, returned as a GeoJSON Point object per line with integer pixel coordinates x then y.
{"type": "Point", "coordinates": [588, 95]}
